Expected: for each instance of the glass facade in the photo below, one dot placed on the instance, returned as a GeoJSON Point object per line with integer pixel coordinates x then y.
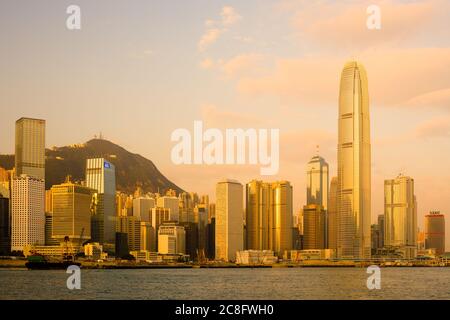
{"type": "Point", "coordinates": [354, 164]}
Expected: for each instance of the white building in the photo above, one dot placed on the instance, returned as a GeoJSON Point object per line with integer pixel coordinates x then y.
{"type": "Point", "coordinates": [171, 239]}
{"type": "Point", "coordinates": [142, 208]}
{"type": "Point", "coordinates": [229, 220]}
{"type": "Point", "coordinates": [28, 216]}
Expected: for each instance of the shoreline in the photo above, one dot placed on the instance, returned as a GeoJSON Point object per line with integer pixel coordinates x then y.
{"type": "Point", "coordinates": [20, 264]}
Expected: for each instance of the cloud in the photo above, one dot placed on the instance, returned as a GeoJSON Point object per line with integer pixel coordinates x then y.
{"type": "Point", "coordinates": [241, 64]}
{"type": "Point", "coordinates": [210, 36]}
{"type": "Point", "coordinates": [340, 26]}
{"type": "Point", "coordinates": [229, 16]}
{"type": "Point", "coordinates": [214, 29]}
{"type": "Point", "coordinates": [206, 63]}
{"type": "Point", "coordinates": [397, 77]}
{"type": "Point", "coordinates": [219, 118]}
{"type": "Point", "coordinates": [435, 128]}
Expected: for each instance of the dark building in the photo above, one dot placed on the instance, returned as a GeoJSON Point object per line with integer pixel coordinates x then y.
{"type": "Point", "coordinates": [5, 227]}
{"type": "Point", "coordinates": [122, 250]}
{"type": "Point", "coordinates": [191, 229]}
{"type": "Point", "coordinates": [211, 251]}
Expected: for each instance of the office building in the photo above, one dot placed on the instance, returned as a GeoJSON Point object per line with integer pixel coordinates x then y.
{"type": "Point", "coordinates": [171, 203]}
{"type": "Point", "coordinates": [101, 176]}
{"type": "Point", "coordinates": [30, 148]}
{"type": "Point", "coordinates": [71, 205]}
{"type": "Point", "coordinates": [132, 227]}
{"type": "Point", "coordinates": [317, 182]}
{"type": "Point", "coordinates": [171, 239]}
{"type": "Point", "coordinates": [314, 227]}
{"type": "Point", "coordinates": [435, 232]}
{"type": "Point", "coordinates": [354, 164]}
{"type": "Point", "coordinates": [229, 229]}
{"type": "Point", "coordinates": [332, 217]}
{"type": "Point", "coordinates": [142, 208]}
{"type": "Point", "coordinates": [5, 227]}
{"type": "Point", "coordinates": [269, 216]}
{"type": "Point", "coordinates": [27, 216]}
{"type": "Point", "coordinates": [400, 212]}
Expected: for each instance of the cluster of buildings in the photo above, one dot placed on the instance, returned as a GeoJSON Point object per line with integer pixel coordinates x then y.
{"type": "Point", "coordinates": [251, 224]}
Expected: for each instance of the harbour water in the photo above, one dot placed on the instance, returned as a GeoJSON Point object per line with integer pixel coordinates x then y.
{"type": "Point", "coordinates": [232, 284]}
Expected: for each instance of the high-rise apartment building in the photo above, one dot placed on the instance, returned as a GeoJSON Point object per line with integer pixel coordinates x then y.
{"type": "Point", "coordinates": [269, 216]}
{"type": "Point", "coordinates": [101, 176]}
{"type": "Point", "coordinates": [71, 215]}
{"type": "Point", "coordinates": [435, 232]}
{"type": "Point", "coordinates": [354, 164]}
{"type": "Point", "coordinates": [30, 148]}
{"type": "Point", "coordinates": [229, 228]}
{"type": "Point", "coordinates": [28, 217]}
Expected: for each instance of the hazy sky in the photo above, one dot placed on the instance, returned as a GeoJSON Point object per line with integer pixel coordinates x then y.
{"type": "Point", "coordinates": [137, 70]}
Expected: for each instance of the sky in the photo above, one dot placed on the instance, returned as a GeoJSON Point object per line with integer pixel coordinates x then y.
{"type": "Point", "coordinates": [138, 70]}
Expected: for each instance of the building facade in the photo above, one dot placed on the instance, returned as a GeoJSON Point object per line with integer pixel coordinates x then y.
{"type": "Point", "coordinates": [269, 216]}
{"type": "Point", "coordinates": [354, 164]}
{"type": "Point", "coordinates": [27, 216]}
{"type": "Point", "coordinates": [171, 239]}
{"type": "Point", "coordinates": [435, 232]}
{"type": "Point", "coordinates": [314, 227]}
{"type": "Point", "coordinates": [400, 212]}
{"type": "Point", "coordinates": [71, 215]}
{"type": "Point", "coordinates": [101, 176]}
{"type": "Point", "coordinates": [30, 148]}
{"type": "Point", "coordinates": [229, 227]}
{"type": "Point", "coordinates": [317, 182]}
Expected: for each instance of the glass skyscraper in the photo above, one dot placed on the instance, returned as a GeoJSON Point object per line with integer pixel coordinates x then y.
{"type": "Point", "coordinates": [400, 213]}
{"type": "Point", "coordinates": [101, 176]}
{"type": "Point", "coordinates": [354, 164]}
{"type": "Point", "coordinates": [317, 182]}
{"type": "Point", "coordinates": [269, 218]}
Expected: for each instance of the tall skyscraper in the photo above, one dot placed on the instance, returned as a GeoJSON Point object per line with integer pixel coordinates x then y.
{"type": "Point", "coordinates": [28, 217]}
{"type": "Point", "coordinates": [332, 217]}
{"type": "Point", "coordinates": [317, 182]}
{"type": "Point", "coordinates": [269, 216]}
{"type": "Point", "coordinates": [71, 215]}
{"type": "Point", "coordinates": [30, 147]}
{"type": "Point", "coordinates": [400, 212]}
{"type": "Point", "coordinates": [354, 164]}
{"type": "Point", "coordinates": [229, 220]}
{"type": "Point", "coordinates": [435, 232]}
{"type": "Point", "coordinates": [101, 176]}
{"type": "Point", "coordinates": [314, 227]}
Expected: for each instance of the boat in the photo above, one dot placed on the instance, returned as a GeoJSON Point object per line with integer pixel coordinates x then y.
{"type": "Point", "coordinates": [39, 262]}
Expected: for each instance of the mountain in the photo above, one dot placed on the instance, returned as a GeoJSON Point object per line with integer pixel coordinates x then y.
{"type": "Point", "coordinates": [132, 170]}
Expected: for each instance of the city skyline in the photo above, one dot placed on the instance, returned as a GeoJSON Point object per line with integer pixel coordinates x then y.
{"type": "Point", "coordinates": [409, 90]}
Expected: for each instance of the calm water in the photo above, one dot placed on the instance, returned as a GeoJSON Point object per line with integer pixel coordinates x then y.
{"type": "Point", "coordinates": [198, 284]}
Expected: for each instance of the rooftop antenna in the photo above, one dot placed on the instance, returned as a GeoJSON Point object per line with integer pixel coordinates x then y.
{"type": "Point", "coordinates": [317, 149]}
